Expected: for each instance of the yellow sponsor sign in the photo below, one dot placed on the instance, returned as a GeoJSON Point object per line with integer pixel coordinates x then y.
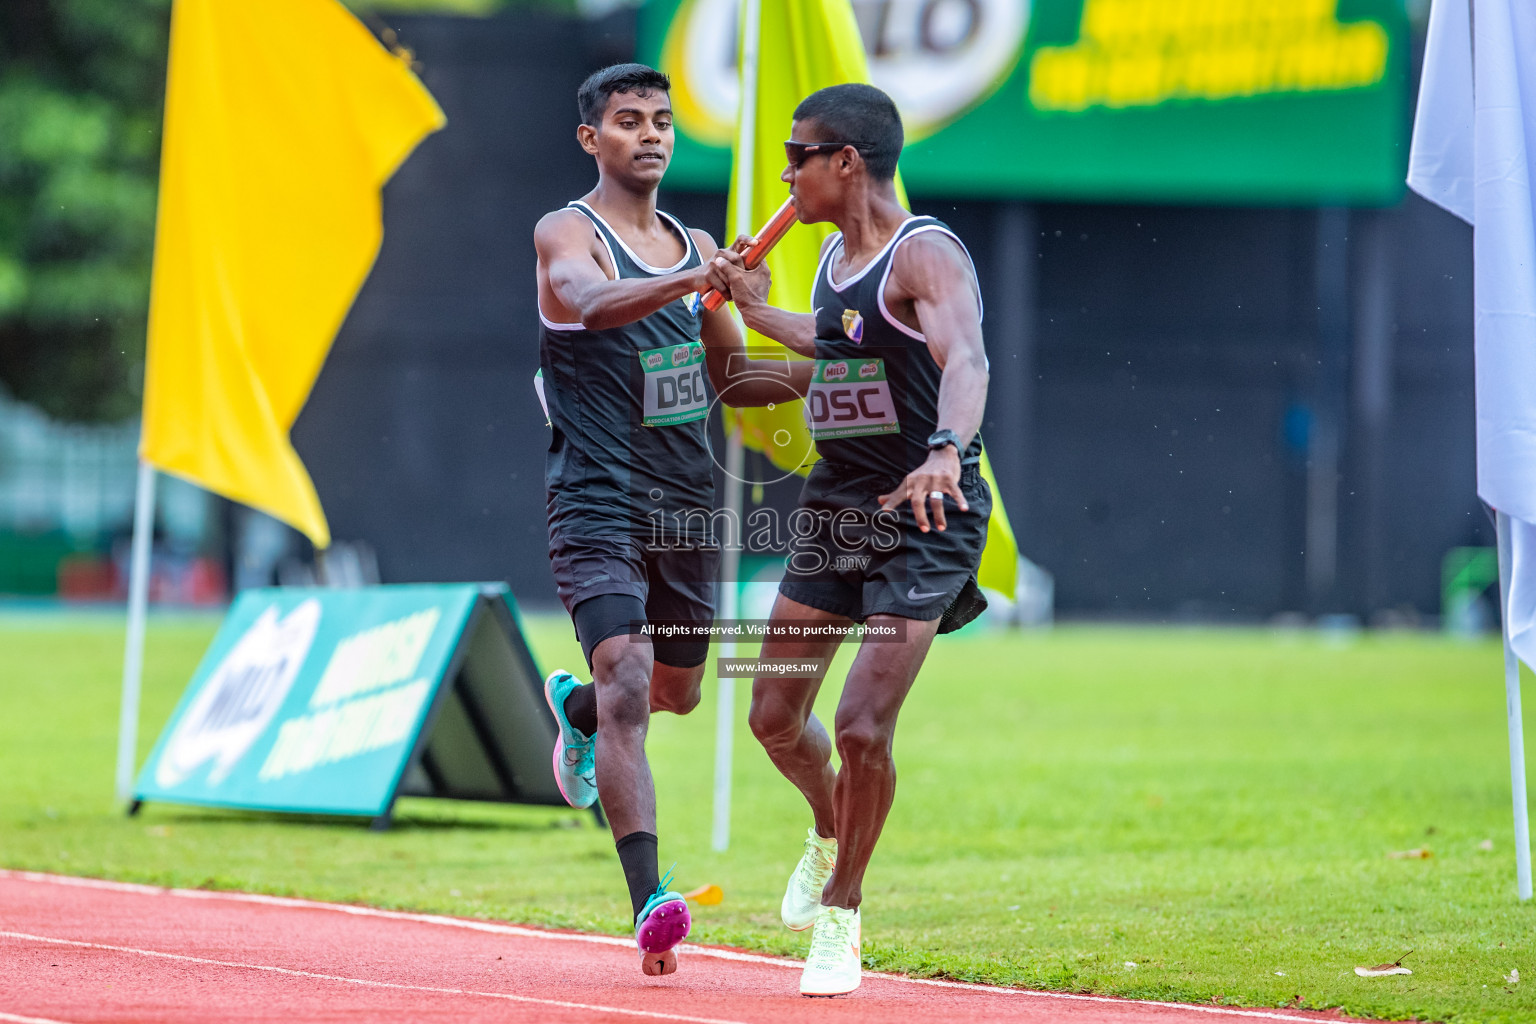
{"type": "Point", "coordinates": [1141, 53]}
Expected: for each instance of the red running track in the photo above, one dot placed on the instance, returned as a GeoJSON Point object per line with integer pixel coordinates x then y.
{"type": "Point", "coordinates": [81, 951]}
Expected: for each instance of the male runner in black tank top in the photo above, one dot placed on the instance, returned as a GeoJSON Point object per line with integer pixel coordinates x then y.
{"type": "Point", "coordinates": [898, 501]}
{"type": "Point", "coordinates": [627, 360]}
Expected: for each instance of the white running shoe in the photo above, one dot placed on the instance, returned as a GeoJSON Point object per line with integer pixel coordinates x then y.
{"type": "Point", "coordinates": [833, 967]}
{"type": "Point", "coordinates": [802, 897]}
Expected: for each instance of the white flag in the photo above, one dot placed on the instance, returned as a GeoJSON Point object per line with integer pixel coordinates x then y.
{"type": "Point", "coordinates": [1474, 153]}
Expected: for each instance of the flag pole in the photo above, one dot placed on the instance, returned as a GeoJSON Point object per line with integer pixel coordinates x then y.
{"type": "Point", "coordinates": [133, 647]}
{"type": "Point", "coordinates": [1512, 705]}
{"type": "Point", "coordinates": [725, 711]}
{"type": "Point", "coordinates": [735, 454]}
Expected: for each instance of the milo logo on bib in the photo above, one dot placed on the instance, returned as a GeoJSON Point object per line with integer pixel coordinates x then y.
{"type": "Point", "coordinates": [850, 398]}
{"type": "Point", "coordinates": [673, 391]}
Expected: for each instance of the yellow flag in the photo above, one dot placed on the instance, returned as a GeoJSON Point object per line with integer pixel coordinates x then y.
{"type": "Point", "coordinates": [283, 120]}
{"type": "Point", "coordinates": [803, 46]}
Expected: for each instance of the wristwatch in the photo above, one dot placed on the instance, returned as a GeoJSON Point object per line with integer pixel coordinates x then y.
{"type": "Point", "coordinates": [939, 438]}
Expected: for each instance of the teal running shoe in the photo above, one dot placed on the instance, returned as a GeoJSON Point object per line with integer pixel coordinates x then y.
{"type": "Point", "coordinates": [575, 758]}
{"type": "Point", "coordinates": [661, 924]}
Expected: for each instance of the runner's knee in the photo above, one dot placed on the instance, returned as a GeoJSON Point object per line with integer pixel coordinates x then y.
{"type": "Point", "coordinates": [863, 737]}
{"type": "Point", "coordinates": [621, 669]}
{"type": "Point", "coordinates": [677, 690]}
{"type": "Point", "coordinates": [775, 722]}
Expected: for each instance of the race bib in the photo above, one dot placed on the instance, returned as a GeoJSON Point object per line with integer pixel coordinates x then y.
{"type": "Point", "coordinates": [674, 385]}
{"type": "Point", "coordinates": [850, 398]}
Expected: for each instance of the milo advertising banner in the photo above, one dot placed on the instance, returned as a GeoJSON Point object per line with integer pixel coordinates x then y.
{"type": "Point", "coordinates": [1269, 101]}
{"type": "Point", "coordinates": [339, 701]}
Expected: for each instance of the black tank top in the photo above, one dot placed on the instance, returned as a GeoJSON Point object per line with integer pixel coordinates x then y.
{"type": "Point", "coordinates": [874, 399]}
{"type": "Point", "coordinates": [628, 407]}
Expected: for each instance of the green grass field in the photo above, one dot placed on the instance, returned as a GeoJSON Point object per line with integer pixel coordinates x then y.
{"type": "Point", "coordinates": [1216, 808]}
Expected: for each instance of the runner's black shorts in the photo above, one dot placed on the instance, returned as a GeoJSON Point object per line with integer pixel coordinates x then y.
{"type": "Point", "coordinates": [848, 559]}
{"type": "Point", "coordinates": [614, 585]}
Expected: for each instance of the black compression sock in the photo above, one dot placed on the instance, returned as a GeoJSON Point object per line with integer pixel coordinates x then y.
{"type": "Point", "coordinates": [637, 854]}
{"type": "Point", "coordinates": [581, 708]}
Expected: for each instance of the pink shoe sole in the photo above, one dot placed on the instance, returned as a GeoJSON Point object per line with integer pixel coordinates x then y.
{"type": "Point", "coordinates": [664, 927]}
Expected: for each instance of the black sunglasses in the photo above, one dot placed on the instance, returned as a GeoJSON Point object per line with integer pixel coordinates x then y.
{"type": "Point", "coordinates": [798, 153]}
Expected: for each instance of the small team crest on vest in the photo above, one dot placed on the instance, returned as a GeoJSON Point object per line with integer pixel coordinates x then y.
{"type": "Point", "coordinates": [693, 303]}
{"type": "Point", "coordinates": [853, 326]}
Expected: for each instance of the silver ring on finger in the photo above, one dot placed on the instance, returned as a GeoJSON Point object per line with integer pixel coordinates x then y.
{"type": "Point", "coordinates": [935, 495]}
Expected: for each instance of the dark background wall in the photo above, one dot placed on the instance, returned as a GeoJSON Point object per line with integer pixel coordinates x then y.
{"type": "Point", "coordinates": [1173, 388]}
{"type": "Point", "coordinates": [423, 434]}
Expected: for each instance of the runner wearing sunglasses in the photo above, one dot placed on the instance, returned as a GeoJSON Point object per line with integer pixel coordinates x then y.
{"type": "Point", "coordinates": [894, 406]}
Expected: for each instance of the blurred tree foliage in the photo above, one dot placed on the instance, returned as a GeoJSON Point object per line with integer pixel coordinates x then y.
{"type": "Point", "coordinates": [82, 86]}
{"type": "Point", "coordinates": [81, 90]}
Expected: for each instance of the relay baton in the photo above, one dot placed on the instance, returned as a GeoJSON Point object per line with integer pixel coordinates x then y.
{"type": "Point", "coordinates": [767, 238]}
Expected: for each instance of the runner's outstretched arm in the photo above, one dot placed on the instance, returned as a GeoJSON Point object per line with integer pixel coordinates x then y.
{"type": "Point", "coordinates": [739, 379]}
{"type": "Point", "coordinates": [568, 261]}
{"type": "Point", "coordinates": [934, 275]}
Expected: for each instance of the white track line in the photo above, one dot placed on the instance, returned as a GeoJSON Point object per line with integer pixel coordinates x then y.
{"type": "Point", "coordinates": [608, 940]}
{"type": "Point", "coordinates": [17, 1018]}
{"type": "Point", "coordinates": [367, 983]}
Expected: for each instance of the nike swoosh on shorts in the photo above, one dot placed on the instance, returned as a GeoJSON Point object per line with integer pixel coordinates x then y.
{"type": "Point", "coordinates": [913, 595]}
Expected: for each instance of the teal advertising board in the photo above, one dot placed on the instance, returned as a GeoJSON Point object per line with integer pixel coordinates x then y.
{"type": "Point", "coordinates": [338, 701]}
{"type": "Point", "coordinates": [1241, 101]}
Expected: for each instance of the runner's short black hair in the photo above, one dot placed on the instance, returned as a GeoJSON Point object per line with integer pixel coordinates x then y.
{"type": "Point", "coordinates": [860, 114]}
{"type": "Point", "coordinates": [640, 79]}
